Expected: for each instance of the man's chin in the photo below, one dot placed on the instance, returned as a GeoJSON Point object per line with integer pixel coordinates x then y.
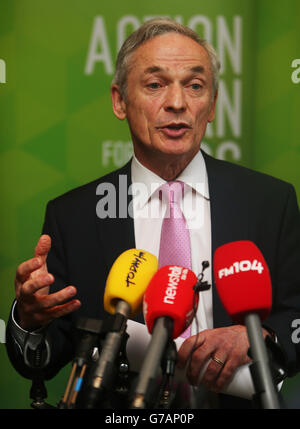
{"type": "Point", "coordinates": [168, 150]}
{"type": "Point", "coordinates": [177, 149]}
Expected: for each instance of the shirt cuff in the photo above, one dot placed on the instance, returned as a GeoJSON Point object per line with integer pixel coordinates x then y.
{"type": "Point", "coordinates": [20, 335]}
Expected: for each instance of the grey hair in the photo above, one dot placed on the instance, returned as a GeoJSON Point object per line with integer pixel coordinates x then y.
{"type": "Point", "coordinates": [149, 30]}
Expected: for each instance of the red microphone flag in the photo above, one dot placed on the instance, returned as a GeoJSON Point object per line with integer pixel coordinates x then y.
{"type": "Point", "coordinates": [243, 280]}
{"type": "Point", "coordinates": [170, 294]}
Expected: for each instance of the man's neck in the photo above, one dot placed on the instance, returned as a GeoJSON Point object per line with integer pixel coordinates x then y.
{"type": "Point", "coordinates": [165, 166]}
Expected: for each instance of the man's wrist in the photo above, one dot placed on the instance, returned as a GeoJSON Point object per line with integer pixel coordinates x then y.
{"type": "Point", "coordinates": [20, 334]}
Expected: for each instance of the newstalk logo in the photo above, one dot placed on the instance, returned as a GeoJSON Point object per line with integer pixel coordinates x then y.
{"type": "Point", "coordinates": [175, 275]}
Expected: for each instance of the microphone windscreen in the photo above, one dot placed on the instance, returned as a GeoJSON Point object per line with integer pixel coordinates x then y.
{"type": "Point", "coordinates": [243, 280]}
{"type": "Point", "coordinates": [128, 279]}
{"type": "Point", "coordinates": [170, 294]}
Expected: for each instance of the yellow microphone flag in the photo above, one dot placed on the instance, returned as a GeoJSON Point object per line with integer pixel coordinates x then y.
{"type": "Point", "coordinates": [128, 279]}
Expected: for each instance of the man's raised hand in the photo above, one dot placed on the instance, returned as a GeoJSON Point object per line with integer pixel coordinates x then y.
{"type": "Point", "coordinates": [35, 306]}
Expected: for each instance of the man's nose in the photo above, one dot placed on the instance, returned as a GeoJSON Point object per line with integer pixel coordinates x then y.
{"type": "Point", "coordinates": [175, 99]}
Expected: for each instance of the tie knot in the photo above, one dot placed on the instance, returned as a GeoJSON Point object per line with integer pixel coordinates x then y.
{"type": "Point", "coordinates": [173, 191]}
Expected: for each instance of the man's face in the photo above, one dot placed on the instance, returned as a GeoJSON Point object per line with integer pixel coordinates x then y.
{"type": "Point", "coordinates": [169, 97]}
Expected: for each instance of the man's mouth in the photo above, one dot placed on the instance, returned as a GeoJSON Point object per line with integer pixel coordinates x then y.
{"type": "Point", "coordinates": [175, 129]}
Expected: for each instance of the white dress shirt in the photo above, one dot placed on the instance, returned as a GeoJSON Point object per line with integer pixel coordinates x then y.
{"type": "Point", "coordinates": [148, 213]}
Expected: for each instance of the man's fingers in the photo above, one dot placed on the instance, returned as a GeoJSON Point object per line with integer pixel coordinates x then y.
{"type": "Point", "coordinates": [38, 302]}
{"type": "Point", "coordinates": [45, 316]}
{"type": "Point", "coordinates": [29, 267]}
{"type": "Point", "coordinates": [35, 284]}
{"type": "Point", "coordinates": [26, 268]}
{"type": "Point", "coordinates": [187, 347]}
{"type": "Point", "coordinates": [43, 246]}
{"type": "Point", "coordinates": [198, 364]}
{"type": "Point", "coordinates": [57, 298]}
{"type": "Point", "coordinates": [223, 378]}
{"type": "Point", "coordinates": [213, 370]}
{"type": "Point", "coordinates": [63, 309]}
{"type": "Point", "coordinates": [37, 310]}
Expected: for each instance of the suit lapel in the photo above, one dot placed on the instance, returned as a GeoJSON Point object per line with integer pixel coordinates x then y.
{"type": "Point", "coordinates": [229, 219]}
{"type": "Point", "coordinates": [117, 233]}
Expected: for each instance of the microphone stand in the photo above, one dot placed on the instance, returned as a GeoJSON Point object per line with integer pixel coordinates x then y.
{"type": "Point", "coordinates": [161, 333]}
{"type": "Point", "coordinates": [103, 371]}
{"type": "Point", "coordinates": [34, 357]}
{"type": "Point", "coordinates": [168, 368]}
{"type": "Point", "coordinates": [88, 331]}
{"type": "Point", "coordinates": [91, 334]}
{"type": "Point", "coordinates": [264, 385]}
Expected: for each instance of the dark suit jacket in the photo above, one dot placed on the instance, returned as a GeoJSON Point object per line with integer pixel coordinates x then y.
{"type": "Point", "coordinates": [245, 205]}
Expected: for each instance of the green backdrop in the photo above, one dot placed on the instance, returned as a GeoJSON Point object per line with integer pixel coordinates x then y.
{"type": "Point", "coordinates": [58, 130]}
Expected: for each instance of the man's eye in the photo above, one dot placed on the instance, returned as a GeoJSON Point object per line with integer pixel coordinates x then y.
{"type": "Point", "coordinates": [154, 85]}
{"type": "Point", "coordinates": [196, 86]}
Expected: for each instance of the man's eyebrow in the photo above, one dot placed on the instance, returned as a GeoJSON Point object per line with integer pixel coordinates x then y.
{"type": "Point", "coordinates": [198, 69]}
{"type": "Point", "coordinates": [156, 69]}
{"type": "Point", "coordinates": [153, 69]}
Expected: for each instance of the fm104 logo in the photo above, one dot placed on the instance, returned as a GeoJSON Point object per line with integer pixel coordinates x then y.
{"type": "Point", "coordinates": [241, 266]}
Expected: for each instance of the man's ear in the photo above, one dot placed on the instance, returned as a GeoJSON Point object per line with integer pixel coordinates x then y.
{"type": "Point", "coordinates": [118, 104]}
{"type": "Point", "coordinates": [213, 107]}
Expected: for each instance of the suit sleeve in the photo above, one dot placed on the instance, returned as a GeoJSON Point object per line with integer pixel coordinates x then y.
{"type": "Point", "coordinates": [286, 284]}
{"type": "Point", "coordinates": [58, 334]}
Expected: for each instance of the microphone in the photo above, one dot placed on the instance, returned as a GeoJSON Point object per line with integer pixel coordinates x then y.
{"type": "Point", "coordinates": [125, 286]}
{"type": "Point", "coordinates": [168, 311]}
{"type": "Point", "coordinates": [244, 286]}
{"type": "Point", "coordinates": [87, 332]}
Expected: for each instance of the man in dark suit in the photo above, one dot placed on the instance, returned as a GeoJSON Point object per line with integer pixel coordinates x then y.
{"type": "Point", "coordinates": [166, 88]}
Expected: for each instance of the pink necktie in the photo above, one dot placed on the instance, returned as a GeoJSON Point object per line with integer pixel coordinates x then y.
{"type": "Point", "coordinates": [175, 246]}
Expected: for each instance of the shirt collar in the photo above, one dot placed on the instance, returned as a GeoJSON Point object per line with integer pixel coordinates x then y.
{"type": "Point", "coordinates": [194, 175]}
